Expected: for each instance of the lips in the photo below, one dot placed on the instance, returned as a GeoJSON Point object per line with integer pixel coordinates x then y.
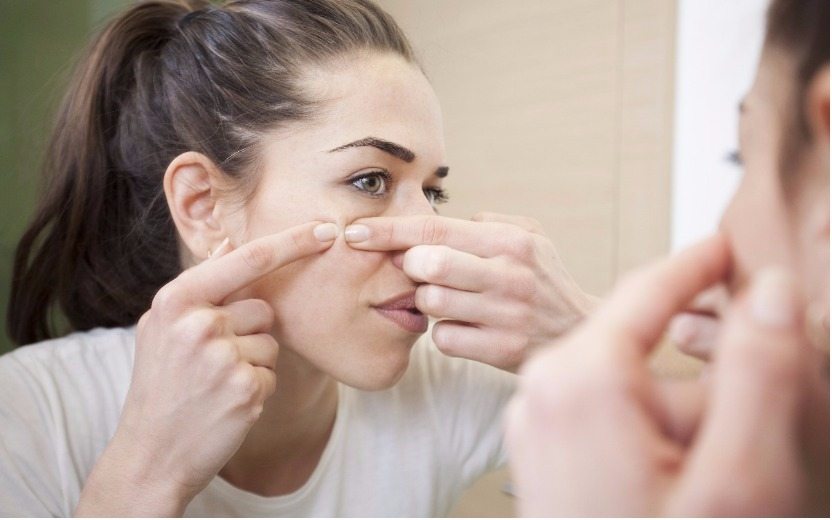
{"type": "Point", "coordinates": [402, 311]}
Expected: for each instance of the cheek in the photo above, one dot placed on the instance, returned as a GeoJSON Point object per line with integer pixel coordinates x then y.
{"type": "Point", "coordinates": [332, 283]}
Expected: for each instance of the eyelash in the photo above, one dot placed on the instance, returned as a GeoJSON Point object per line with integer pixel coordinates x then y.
{"type": "Point", "coordinates": [734, 157]}
{"type": "Point", "coordinates": [434, 194]}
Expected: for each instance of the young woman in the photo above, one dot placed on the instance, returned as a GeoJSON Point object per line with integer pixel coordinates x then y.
{"type": "Point", "coordinates": [752, 439]}
{"type": "Point", "coordinates": [238, 179]}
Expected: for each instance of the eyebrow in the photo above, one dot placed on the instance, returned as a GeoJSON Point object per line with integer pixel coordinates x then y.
{"type": "Point", "coordinates": [385, 146]}
{"type": "Point", "coordinates": [393, 149]}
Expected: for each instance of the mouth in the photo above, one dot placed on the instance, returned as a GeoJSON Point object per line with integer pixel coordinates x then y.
{"type": "Point", "coordinates": [402, 311]}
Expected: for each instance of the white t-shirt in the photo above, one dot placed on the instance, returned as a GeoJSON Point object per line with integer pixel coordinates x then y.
{"type": "Point", "coordinates": [410, 450]}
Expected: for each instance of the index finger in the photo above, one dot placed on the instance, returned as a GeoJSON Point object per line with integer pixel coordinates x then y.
{"type": "Point", "coordinates": [400, 233]}
{"type": "Point", "coordinates": [216, 279]}
{"type": "Point", "coordinates": [641, 307]}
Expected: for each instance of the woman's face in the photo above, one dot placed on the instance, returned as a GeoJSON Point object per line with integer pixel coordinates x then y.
{"type": "Point", "coordinates": [780, 213]}
{"type": "Point", "coordinates": [375, 148]}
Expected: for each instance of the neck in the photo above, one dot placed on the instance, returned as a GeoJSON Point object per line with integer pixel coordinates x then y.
{"type": "Point", "coordinates": [284, 446]}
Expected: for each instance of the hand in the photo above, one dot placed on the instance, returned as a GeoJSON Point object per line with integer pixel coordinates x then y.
{"type": "Point", "coordinates": [593, 432]}
{"type": "Point", "coordinates": [203, 369]}
{"type": "Point", "coordinates": [497, 283]}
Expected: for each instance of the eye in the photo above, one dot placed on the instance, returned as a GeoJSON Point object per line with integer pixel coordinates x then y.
{"type": "Point", "coordinates": [436, 195]}
{"type": "Point", "coordinates": [374, 184]}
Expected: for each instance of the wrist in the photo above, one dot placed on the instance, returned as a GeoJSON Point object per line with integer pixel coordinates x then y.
{"type": "Point", "coordinates": [125, 482]}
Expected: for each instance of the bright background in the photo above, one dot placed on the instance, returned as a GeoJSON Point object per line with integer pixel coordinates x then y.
{"type": "Point", "coordinates": [717, 47]}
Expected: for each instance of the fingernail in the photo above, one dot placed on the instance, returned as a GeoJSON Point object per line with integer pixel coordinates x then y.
{"type": "Point", "coordinates": [326, 232]}
{"type": "Point", "coordinates": [357, 233]}
{"type": "Point", "coordinates": [773, 299]}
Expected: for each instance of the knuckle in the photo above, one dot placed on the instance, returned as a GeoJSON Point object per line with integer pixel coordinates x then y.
{"type": "Point", "coordinates": [520, 245]}
{"type": "Point", "coordinates": [165, 299]}
{"type": "Point", "coordinates": [258, 257]}
{"type": "Point", "coordinates": [221, 355]}
{"type": "Point", "coordinates": [201, 325]}
{"type": "Point", "coordinates": [433, 232]}
{"type": "Point", "coordinates": [523, 285]}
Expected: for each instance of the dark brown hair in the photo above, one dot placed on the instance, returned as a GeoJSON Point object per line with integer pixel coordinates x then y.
{"type": "Point", "coordinates": [801, 29]}
{"type": "Point", "coordinates": [163, 78]}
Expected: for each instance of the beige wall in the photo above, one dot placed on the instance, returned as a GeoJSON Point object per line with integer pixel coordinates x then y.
{"type": "Point", "coordinates": [560, 110]}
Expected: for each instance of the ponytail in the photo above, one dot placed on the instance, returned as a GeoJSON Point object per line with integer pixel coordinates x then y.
{"type": "Point", "coordinates": [84, 250]}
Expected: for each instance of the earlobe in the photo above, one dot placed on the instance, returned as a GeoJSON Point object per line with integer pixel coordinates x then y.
{"type": "Point", "coordinates": [190, 188]}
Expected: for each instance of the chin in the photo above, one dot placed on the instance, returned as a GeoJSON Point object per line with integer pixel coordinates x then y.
{"type": "Point", "coordinates": [374, 372]}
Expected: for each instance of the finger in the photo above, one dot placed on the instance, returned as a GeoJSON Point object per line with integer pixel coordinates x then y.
{"type": "Point", "coordinates": [679, 405]}
{"type": "Point", "coordinates": [638, 311]}
{"type": "Point", "coordinates": [712, 301]}
{"type": "Point", "coordinates": [268, 381]}
{"type": "Point", "coordinates": [250, 316]}
{"type": "Point", "coordinates": [259, 350]}
{"type": "Point", "coordinates": [491, 346]}
{"type": "Point", "coordinates": [529, 224]}
{"type": "Point", "coordinates": [442, 265]}
{"type": "Point", "coordinates": [446, 303]}
{"type": "Point", "coordinates": [213, 281]}
{"type": "Point", "coordinates": [749, 432]}
{"type": "Point", "coordinates": [695, 334]}
{"type": "Point", "coordinates": [484, 239]}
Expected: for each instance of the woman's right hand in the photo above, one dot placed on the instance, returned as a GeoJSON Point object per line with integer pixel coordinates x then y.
{"type": "Point", "coordinates": [202, 371]}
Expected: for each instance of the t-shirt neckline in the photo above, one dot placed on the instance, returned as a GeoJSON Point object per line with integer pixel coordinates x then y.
{"type": "Point", "coordinates": [248, 499]}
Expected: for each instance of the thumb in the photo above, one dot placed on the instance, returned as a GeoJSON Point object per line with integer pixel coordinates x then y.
{"type": "Point", "coordinates": [746, 459]}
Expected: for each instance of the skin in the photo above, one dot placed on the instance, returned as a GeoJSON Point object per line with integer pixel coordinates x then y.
{"type": "Point", "coordinates": [319, 307]}
{"type": "Point", "coordinates": [752, 439]}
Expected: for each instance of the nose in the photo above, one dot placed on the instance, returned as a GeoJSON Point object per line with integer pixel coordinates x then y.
{"type": "Point", "coordinates": [410, 200]}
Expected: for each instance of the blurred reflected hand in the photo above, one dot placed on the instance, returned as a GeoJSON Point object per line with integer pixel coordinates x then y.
{"type": "Point", "coordinates": [496, 283]}
{"type": "Point", "coordinates": [592, 432]}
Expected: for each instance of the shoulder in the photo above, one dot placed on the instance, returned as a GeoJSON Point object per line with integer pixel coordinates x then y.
{"type": "Point", "coordinates": [87, 366]}
{"type": "Point", "coordinates": [94, 344]}
{"type": "Point", "coordinates": [83, 367]}
{"type": "Point", "coordinates": [59, 404]}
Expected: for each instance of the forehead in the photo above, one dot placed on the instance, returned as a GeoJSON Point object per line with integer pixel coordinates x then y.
{"type": "Point", "coordinates": [376, 94]}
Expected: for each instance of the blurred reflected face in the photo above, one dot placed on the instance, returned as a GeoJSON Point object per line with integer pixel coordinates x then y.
{"type": "Point", "coordinates": [373, 149]}
{"type": "Point", "coordinates": [779, 214]}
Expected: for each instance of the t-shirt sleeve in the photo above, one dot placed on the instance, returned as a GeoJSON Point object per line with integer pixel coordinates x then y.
{"type": "Point", "coordinates": [29, 473]}
{"type": "Point", "coordinates": [470, 398]}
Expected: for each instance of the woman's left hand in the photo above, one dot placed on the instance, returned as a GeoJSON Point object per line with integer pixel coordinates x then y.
{"type": "Point", "coordinates": [496, 282]}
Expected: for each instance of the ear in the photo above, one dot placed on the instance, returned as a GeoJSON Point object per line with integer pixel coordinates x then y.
{"type": "Point", "coordinates": [817, 105]}
{"type": "Point", "coordinates": [190, 184]}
